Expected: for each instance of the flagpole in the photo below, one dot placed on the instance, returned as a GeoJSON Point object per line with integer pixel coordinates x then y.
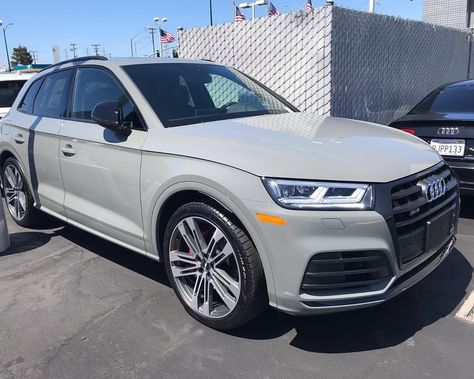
{"type": "Point", "coordinates": [161, 46]}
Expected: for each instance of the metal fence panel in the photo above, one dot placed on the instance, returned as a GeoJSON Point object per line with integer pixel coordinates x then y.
{"type": "Point", "coordinates": [338, 61]}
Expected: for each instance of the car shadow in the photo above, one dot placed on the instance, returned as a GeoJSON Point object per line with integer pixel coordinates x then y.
{"type": "Point", "coordinates": [117, 254]}
{"type": "Point", "coordinates": [26, 241]}
{"type": "Point", "coordinates": [385, 325]}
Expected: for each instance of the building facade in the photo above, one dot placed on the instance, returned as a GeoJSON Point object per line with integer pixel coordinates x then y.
{"type": "Point", "coordinates": [452, 13]}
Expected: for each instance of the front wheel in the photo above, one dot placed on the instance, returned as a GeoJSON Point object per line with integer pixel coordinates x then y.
{"type": "Point", "coordinates": [213, 267]}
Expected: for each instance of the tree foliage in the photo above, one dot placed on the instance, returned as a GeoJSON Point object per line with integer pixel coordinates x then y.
{"type": "Point", "coordinates": [21, 56]}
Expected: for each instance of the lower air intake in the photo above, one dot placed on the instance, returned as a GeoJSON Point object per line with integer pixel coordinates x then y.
{"type": "Point", "coordinates": [339, 271]}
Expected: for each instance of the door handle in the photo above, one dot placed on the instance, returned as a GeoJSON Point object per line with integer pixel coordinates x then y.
{"type": "Point", "coordinates": [19, 138]}
{"type": "Point", "coordinates": [68, 150]}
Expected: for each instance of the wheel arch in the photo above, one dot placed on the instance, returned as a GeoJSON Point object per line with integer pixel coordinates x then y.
{"type": "Point", "coordinates": [175, 196]}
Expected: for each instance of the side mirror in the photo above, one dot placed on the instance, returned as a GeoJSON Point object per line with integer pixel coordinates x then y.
{"type": "Point", "coordinates": [109, 115]}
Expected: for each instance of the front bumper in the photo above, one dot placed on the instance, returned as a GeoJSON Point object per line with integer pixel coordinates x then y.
{"type": "Point", "coordinates": [306, 234]}
{"type": "Point", "coordinates": [464, 169]}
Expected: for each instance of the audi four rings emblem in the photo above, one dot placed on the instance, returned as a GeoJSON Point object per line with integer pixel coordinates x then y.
{"type": "Point", "coordinates": [433, 187]}
{"type": "Point", "coordinates": [448, 131]}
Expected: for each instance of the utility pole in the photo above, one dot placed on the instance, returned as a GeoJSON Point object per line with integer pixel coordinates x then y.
{"type": "Point", "coordinates": [74, 49]}
{"type": "Point", "coordinates": [152, 31]}
{"type": "Point", "coordinates": [6, 45]}
{"type": "Point", "coordinates": [96, 46]}
{"type": "Point", "coordinates": [66, 54]}
{"type": "Point", "coordinates": [35, 55]}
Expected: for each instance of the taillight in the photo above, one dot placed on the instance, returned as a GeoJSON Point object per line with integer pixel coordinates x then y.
{"type": "Point", "coordinates": [409, 131]}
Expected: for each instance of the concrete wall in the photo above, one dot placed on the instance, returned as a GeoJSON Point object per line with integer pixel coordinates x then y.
{"type": "Point", "coordinates": [338, 61]}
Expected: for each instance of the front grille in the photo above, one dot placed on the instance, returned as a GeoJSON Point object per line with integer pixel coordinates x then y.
{"type": "Point", "coordinates": [412, 211]}
{"type": "Point", "coordinates": [346, 270]}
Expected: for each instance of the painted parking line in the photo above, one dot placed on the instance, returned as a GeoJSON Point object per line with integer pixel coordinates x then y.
{"type": "Point", "coordinates": [466, 312]}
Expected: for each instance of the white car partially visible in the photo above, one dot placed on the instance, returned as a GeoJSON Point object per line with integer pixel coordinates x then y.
{"type": "Point", "coordinates": [10, 85]}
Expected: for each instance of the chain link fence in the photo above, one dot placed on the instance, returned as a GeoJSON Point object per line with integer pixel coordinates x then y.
{"type": "Point", "coordinates": [338, 61]}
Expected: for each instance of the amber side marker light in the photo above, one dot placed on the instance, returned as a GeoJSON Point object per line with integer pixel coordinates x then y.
{"type": "Point", "coordinates": [271, 219]}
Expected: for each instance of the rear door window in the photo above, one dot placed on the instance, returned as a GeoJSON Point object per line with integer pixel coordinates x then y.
{"type": "Point", "coordinates": [52, 98]}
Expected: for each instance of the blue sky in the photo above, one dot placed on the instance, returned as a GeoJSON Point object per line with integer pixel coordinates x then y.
{"type": "Point", "coordinates": [39, 25]}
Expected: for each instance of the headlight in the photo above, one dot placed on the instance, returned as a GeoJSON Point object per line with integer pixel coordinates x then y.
{"type": "Point", "coordinates": [295, 194]}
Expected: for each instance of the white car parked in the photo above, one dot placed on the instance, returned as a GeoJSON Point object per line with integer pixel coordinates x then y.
{"type": "Point", "coordinates": [10, 85]}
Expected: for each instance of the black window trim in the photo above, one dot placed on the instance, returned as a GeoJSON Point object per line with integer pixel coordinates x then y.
{"type": "Point", "coordinates": [118, 82]}
{"type": "Point", "coordinates": [18, 108]}
{"type": "Point", "coordinates": [39, 89]}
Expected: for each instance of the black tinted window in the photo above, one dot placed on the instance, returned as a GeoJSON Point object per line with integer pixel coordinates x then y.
{"type": "Point", "coordinates": [26, 104]}
{"type": "Point", "coordinates": [448, 100]}
{"type": "Point", "coordinates": [53, 95]}
{"type": "Point", "coordinates": [186, 93]}
{"type": "Point", "coordinates": [9, 90]}
{"type": "Point", "coordinates": [93, 86]}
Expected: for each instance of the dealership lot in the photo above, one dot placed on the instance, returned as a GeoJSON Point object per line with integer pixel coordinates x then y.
{"type": "Point", "coordinates": [73, 305]}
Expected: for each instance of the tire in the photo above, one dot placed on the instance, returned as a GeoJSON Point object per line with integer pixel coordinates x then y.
{"type": "Point", "coordinates": [227, 265]}
{"type": "Point", "coordinates": [18, 198]}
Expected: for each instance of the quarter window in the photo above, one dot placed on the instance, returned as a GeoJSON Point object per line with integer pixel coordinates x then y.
{"type": "Point", "coordinates": [26, 104]}
{"type": "Point", "coordinates": [52, 97]}
{"type": "Point", "coordinates": [94, 86]}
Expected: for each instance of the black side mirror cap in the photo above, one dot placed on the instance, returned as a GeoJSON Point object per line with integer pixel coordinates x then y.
{"type": "Point", "coordinates": [108, 114]}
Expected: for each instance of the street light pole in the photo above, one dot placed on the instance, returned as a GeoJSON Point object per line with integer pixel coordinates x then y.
{"type": "Point", "coordinates": [210, 11]}
{"type": "Point", "coordinates": [6, 45]}
{"type": "Point", "coordinates": [131, 41]}
{"type": "Point", "coordinates": [157, 21]}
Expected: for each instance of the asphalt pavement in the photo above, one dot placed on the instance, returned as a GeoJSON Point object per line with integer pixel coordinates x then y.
{"type": "Point", "coordinates": [75, 306]}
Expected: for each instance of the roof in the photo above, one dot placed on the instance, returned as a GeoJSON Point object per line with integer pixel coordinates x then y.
{"type": "Point", "coordinates": [102, 61]}
{"type": "Point", "coordinates": [463, 83]}
{"type": "Point", "coordinates": [9, 76]}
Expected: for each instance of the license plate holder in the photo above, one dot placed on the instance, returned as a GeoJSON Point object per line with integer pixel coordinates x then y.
{"type": "Point", "coordinates": [439, 229]}
{"type": "Point", "coordinates": [449, 147]}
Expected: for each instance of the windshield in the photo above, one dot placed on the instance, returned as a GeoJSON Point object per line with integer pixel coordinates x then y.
{"type": "Point", "coordinates": [448, 100]}
{"type": "Point", "coordinates": [187, 93]}
{"type": "Point", "coordinates": [9, 90]}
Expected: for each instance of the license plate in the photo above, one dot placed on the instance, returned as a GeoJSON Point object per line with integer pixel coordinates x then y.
{"type": "Point", "coordinates": [449, 147]}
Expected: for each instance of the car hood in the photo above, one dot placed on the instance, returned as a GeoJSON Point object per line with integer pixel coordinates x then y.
{"type": "Point", "coordinates": [302, 146]}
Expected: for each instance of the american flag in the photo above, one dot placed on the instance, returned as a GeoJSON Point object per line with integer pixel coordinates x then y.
{"type": "Point", "coordinates": [239, 16]}
{"type": "Point", "coordinates": [272, 11]}
{"type": "Point", "coordinates": [309, 6]}
{"type": "Point", "coordinates": [166, 37]}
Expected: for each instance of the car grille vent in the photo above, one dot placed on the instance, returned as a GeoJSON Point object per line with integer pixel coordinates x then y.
{"type": "Point", "coordinates": [411, 211]}
{"type": "Point", "coordinates": [335, 271]}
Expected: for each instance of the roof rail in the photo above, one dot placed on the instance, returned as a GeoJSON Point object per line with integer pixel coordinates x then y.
{"type": "Point", "coordinates": [80, 59]}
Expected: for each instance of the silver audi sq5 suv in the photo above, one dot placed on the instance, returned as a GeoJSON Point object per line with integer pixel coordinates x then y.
{"type": "Point", "coordinates": [247, 201]}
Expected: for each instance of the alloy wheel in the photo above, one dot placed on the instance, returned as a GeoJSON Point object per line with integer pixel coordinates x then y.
{"type": "Point", "coordinates": [204, 267]}
{"type": "Point", "coordinates": [14, 192]}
